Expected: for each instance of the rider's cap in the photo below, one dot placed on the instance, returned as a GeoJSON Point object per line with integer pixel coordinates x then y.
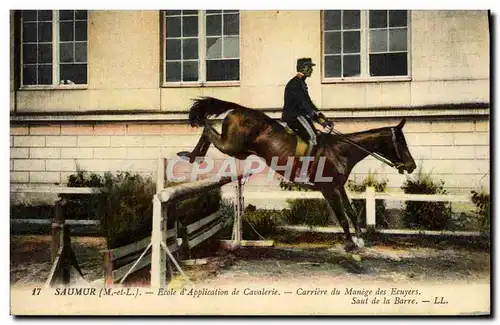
{"type": "Point", "coordinates": [302, 62]}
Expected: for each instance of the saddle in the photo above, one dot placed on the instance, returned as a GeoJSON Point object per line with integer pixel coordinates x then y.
{"type": "Point", "coordinates": [302, 145]}
{"type": "Point", "coordinates": [301, 149]}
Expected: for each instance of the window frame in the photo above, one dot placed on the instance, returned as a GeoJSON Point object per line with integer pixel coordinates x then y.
{"type": "Point", "coordinates": [55, 58]}
{"type": "Point", "coordinates": [202, 17]}
{"type": "Point", "coordinates": [364, 54]}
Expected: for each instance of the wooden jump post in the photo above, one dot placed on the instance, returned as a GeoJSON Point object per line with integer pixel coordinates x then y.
{"type": "Point", "coordinates": [64, 262]}
{"type": "Point", "coordinates": [238, 223]}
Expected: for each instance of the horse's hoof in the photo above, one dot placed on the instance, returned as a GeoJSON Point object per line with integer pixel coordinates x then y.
{"type": "Point", "coordinates": [350, 246]}
{"type": "Point", "coordinates": [356, 257]}
{"type": "Point", "coordinates": [359, 242]}
{"type": "Point", "coordinates": [186, 155]}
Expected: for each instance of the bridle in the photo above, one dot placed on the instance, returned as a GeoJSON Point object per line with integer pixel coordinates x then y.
{"type": "Point", "coordinates": [395, 143]}
{"type": "Point", "coordinates": [372, 153]}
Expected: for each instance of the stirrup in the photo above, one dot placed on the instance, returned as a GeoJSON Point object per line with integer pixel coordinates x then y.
{"type": "Point", "coordinates": [307, 185]}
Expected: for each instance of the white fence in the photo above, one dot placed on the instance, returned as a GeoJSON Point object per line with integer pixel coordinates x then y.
{"type": "Point", "coordinates": [370, 196]}
{"type": "Point", "coordinates": [16, 188]}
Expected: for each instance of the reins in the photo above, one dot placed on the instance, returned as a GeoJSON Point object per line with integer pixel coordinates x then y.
{"type": "Point", "coordinates": [371, 153]}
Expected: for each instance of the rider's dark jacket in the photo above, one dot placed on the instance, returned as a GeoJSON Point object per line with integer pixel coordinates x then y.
{"type": "Point", "coordinates": [297, 101]}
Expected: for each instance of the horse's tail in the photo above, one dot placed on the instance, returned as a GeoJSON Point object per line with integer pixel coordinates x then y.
{"type": "Point", "coordinates": [208, 106]}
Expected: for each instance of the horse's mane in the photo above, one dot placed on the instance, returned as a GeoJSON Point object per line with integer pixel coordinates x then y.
{"type": "Point", "coordinates": [205, 107]}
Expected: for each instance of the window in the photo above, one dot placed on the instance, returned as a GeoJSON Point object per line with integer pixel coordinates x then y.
{"type": "Point", "coordinates": [53, 47]}
{"type": "Point", "coordinates": [342, 43]}
{"type": "Point", "coordinates": [388, 34]}
{"type": "Point", "coordinates": [201, 46]}
{"type": "Point", "coordinates": [359, 43]}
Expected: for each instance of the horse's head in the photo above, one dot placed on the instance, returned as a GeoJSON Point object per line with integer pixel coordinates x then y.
{"type": "Point", "coordinates": [398, 151]}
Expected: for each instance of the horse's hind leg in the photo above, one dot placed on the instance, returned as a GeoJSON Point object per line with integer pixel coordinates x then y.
{"type": "Point", "coordinates": [231, 141]}
{"type": "Point", "coordinates": [200, 150]}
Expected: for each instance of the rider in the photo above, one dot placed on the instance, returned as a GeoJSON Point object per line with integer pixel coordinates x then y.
{"type": "Point", "coordinates": [299, 112]}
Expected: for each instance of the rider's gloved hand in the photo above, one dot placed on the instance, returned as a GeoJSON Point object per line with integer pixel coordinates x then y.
{"type": "Point", "coordinates": [328, 126]}
{"type": "Point", "coordinates": [321, 117]}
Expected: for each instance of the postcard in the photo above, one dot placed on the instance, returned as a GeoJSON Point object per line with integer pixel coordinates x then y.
{"type": "Point", "coordinates": [250, 162]}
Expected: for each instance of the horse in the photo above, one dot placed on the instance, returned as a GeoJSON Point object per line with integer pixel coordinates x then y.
{"type": "Point", "coordinates": [246, 131]}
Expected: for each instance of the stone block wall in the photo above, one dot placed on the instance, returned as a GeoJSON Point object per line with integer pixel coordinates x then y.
{"type": "Point", "coordinates": [456, 151]}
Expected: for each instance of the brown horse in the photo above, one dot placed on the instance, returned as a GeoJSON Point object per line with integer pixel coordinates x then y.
{"type": "Point", "coordinates": [247, 131]}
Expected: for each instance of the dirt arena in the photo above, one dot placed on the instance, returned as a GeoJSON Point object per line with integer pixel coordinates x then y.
{"type": "Point", "coordinates": [30, 262]}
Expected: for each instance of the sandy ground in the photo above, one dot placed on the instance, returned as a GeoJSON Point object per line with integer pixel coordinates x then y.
{"type": "Point", "coordinates": [30, 257]}
{"type": "Point", "coordinates": [460, 275]}
{"type": "Point", "coordinates": [378, 263]}
{"type": "Point", "coordinates": [30, 263]}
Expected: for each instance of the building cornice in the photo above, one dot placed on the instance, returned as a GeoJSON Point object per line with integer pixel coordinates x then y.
{"type": "Point", "coordinates": [114, 116]}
